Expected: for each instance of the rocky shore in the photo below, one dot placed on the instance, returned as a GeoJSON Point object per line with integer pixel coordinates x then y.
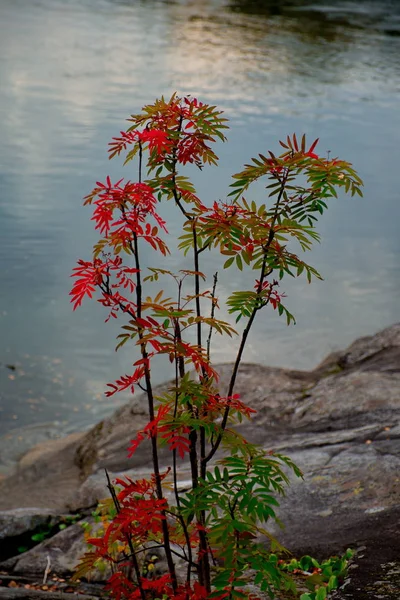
{"type": "Point", "coordinates": [339, 422]}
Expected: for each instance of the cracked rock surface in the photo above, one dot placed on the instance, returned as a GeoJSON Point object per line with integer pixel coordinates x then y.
{"type": "Point", "coordinates": [340, 423]}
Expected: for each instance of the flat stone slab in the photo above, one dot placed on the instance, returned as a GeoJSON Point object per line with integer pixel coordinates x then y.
{"type": "Point", "coordinates": [7, 593]}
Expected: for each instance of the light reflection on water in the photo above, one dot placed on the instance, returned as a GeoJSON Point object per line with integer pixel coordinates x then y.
{"type": "Point", "coordinates": [72, 71]}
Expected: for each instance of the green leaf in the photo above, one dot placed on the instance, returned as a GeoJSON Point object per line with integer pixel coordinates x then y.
{"type": "Point", "coordinates": [308, 562]}
{"type": "Point", "coordinates": [239, 526]}
{"type": "Point", "coordinates": [268, 499]}
{"type": "Point", "coordinates": [222, 579]}
{"type": "Point", "coordinates": [321, 593]}
{"type": "Point", "coordinates": [333, 583]}
{"type": "Point", "coordinates": [39, 537]}
{"type": "Point", "coordinates": [228, 263]}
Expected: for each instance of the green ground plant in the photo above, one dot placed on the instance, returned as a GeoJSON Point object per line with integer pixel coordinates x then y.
{"type": "Point", "coordinates": [319, 577]}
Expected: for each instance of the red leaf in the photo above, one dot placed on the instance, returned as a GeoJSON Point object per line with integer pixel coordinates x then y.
{"type": "Point", "coordinates": [90, 275]}
{"type": "Point", "coordinates": [119, 586]}
{"type": "Point", "coordinates": [125, 382]}
{"type": "Point", "coordinates": [158, 141]}
{"type": "Point", "coordinates": [135, 444]}
{"type": "Point", "coordinates": [313, 145]}
{"type": "Point", "coordinates": [158, 587]}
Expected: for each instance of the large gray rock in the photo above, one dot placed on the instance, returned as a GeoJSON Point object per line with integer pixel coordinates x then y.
{"type": "Point", "coordinates": [61, 553]}
{"type": "Point", "coordinates": [45, 476]}
{"type": "Point", "coordinates": [18, 525]}
{"type": "Point", "coordinates": [16, 522]}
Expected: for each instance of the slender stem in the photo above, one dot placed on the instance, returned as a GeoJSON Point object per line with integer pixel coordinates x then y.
{"type": "Point", "coordinates": [140, 161]}
{"type": "Point", "coordinates": [197, 284]}
{"type": "Point", "coordinates": [150, 398]}
{"type": "Point", "coordinates": [180, 371]}
{"type": "Point", "coordinates": [204, 562]}
{"type": "Point", "coordinates": [177, 196]}
{"type": "Point", "coordinates": [212, 314]}
{"type": "Point", "coordinates": [174, 466]}
{"type": "Point", "coordinates": [204, 565]}
{"type": "Point", "coordinates": [156, 546]}
{"type": "Point", "coordinates": [207, 244]}
{"type": "Point", "coordinates": [178, 335]}
{"type": "Point", "coordinates": [193, 433]}
{"type": "Point", "coordinates": [264, 272]}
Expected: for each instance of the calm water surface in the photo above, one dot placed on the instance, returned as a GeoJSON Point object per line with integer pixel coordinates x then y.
{"type": "Point", "coordinates": [70, 73]}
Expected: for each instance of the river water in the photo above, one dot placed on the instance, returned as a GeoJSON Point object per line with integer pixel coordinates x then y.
{"type": "Point", "coordinates": [71, 71]}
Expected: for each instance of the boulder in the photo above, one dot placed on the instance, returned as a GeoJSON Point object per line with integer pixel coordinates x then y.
{"type": "Point", "coordinates": [44, 477]}
{"type": "Point", "coordinates": [60, 553]}
{"type": "Point", "coordinates": [19, 521]}
{"type": "Point", "coordinates": [18, 525]}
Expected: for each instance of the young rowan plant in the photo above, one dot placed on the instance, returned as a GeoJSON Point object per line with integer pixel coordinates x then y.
{"type": "Point", "coordinates": [213, 527]}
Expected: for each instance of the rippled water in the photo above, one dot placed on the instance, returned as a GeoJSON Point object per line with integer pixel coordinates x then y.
{"type": "Point", "coordinates": [70, 73]}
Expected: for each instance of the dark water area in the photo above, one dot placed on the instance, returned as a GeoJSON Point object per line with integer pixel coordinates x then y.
{"type": "Point", "coordinates": [70, 73]}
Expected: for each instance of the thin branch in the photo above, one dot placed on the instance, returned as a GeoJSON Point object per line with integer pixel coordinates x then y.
{"type": "Point", "coordinates": [140, 161]}
{"type": "Point", "coordinates": [263, 274]}
{"type": "Point", "coordinates": [204, 566]}
{"type": "Point", "coordinates": [180, 368]}
{"type": "Point", "coordinates": [178, 197]}
{"type": "Point", "coordinates": [213, 302]}
{"type": "Point", "coordinates": [150, 398]}
{"type": "Point", "coordinates": [156, 547]}
{"type": "Point", "coordinates": [197, 284]}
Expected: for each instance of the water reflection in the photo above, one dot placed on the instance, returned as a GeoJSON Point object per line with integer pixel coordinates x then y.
{"type": "Point", "coordinates": [72, 71]}
{"type": "Point", "coordinates": [375, 14]}
{"type": "Point", "coordinates": [277, 59]}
